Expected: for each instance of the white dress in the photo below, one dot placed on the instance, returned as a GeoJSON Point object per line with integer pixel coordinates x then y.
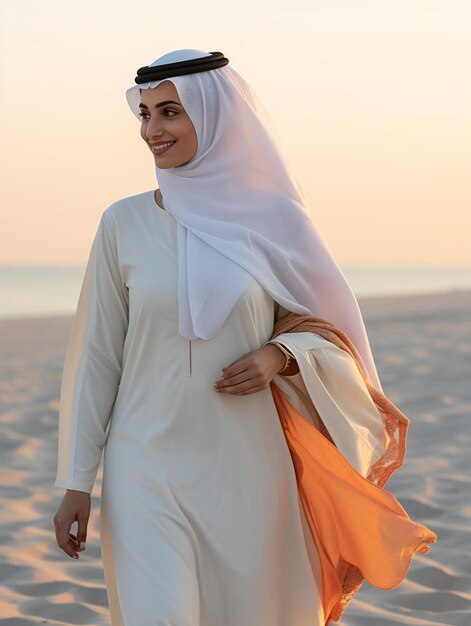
{"type": "Point", "coordinates": [201, 523]}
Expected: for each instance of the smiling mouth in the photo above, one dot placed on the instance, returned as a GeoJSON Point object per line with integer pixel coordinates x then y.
{"type": "Point", "coordinates": [166, 147]}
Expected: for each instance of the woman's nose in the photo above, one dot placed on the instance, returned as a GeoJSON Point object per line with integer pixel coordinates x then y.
{"type": "Point", "coordinates": [154, 128]}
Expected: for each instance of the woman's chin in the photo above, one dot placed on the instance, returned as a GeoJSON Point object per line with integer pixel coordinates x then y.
{"type": "Point", "coordinates": [162, 165]}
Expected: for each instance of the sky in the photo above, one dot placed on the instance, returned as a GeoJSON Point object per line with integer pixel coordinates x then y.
{"type": "Point", "coordinates": [371, 99]}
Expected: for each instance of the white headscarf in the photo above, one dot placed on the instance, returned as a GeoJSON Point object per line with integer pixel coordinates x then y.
{"type": "Point", "coordinates": [241, 214]}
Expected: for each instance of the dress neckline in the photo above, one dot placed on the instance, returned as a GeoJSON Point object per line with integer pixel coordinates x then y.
{"type": "Point", "coordinates": [163, 210]}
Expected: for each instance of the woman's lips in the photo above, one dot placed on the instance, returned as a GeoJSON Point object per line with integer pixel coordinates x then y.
{"type": "Point", "coordinates": [161, 150]}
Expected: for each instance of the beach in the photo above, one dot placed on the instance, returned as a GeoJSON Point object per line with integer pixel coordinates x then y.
{"type": "Point", "coordinates": [422, 348]}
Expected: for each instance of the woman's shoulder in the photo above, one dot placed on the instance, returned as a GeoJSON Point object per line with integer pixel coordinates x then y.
{"type": "Point", "coordinates": [121, 210]}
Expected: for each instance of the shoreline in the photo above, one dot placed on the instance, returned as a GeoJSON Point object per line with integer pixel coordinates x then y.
{"type": "Point", "coordinates": [371, 307]}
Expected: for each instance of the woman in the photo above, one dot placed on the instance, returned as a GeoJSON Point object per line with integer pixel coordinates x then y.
{"type": "Point", "coordinates": [201, 520]}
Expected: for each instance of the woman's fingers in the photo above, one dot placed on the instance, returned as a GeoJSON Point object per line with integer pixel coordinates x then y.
{"type": "Point", "coordinates": [80, 544]}
{"type": "Point", "coordinates": [240, 384]}
{"type": "Point", "coordinates": [82, 530]}
{"type": "Point", "coordinates": [252, 377]}
{"type": "Point", "coordinates": [75, 506]}
{"type": "Point", "coordinates": [64, 538]}
{"type": "Point", "coordinates": [234, 379]}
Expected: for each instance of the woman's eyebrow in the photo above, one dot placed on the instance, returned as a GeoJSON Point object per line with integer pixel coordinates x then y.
{"type": "Point", "coordinates": [161, 104]}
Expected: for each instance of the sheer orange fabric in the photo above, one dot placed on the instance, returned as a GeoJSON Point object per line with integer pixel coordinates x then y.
{"type": "Point", "coordinates": [361, 530]}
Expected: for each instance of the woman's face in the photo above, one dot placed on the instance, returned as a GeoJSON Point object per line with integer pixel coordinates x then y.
{"type": "Point", "coordinates": [164, 120]}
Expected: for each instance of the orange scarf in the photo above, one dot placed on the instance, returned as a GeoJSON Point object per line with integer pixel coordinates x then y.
{"type": "Point", "coordinates": [361, 531]}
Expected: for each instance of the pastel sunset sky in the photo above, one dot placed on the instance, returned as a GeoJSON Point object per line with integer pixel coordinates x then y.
{"type": "Point", "coordinates": [371, 98]}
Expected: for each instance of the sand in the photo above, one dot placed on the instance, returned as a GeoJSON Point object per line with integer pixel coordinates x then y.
{"type": "Point", "coordinates": [422, 347]}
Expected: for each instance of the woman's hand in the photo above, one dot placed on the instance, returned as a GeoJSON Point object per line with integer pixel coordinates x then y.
{"type": "Point", "coordinates": [75, 506]}
{"type": "Point", "coordinates": [252, 372]}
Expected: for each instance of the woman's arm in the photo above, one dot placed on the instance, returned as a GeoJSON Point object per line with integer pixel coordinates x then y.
{"type": "Point", "coordinates": [92, 367]}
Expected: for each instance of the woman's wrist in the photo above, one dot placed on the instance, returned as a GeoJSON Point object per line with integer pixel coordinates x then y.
{"type": "Point", "coordinates": [289, 366]}
{"type": "Point", "coordinates": [279, 355]}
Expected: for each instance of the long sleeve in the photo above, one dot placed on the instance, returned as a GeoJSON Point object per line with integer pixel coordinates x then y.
{"type": "Point", "coordinates": [329, 385]}
{"type": "Point", "coordinates": [92, 366]}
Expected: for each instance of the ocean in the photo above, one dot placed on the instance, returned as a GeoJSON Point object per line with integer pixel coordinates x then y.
{"type": "Point", "coordinates": [43, 290]}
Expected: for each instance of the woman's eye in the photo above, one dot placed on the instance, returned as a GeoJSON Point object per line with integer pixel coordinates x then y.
{"type": "Point", "coordinates": [145, 115]}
